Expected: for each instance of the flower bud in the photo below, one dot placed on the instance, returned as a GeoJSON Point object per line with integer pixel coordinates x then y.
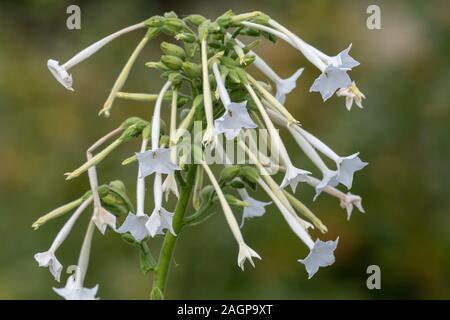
{"type": "Point", "coordinates": [172, 62]}
{"type": "Point", "coordinates": [157, 65]}
{"type": "Point", "coordinates": [251, 174]}
{"type": "Point", "coordinates": [186, 37]}
{"type": "Point", "coordinates": [173, 50]}
{"type": "Point", "coordinates": [233, 201]}
{"type": "Point", "coordinates": [152, 33]}
{"type": "Point", "coordinates": [229, 173]}
{"type": "Point", "coordinates": [155, 21]}
{"type": "Point", "coordinates": [237, 184]}
{"type": "Point", "coordinates": [174, 24]}
{"type": "Point", "coordinates": [195, 19]}
{"type": "Point", "coordinates": [175, 78]}
{"type": "Point", "coordinates": [192, 70]}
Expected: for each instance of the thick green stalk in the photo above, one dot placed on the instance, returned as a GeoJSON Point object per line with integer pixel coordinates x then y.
{"type": "Point", "coordinates": [165, 257]}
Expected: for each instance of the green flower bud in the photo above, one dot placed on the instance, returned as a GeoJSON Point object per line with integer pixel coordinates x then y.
{"type": "Point", "coordinates": [261, 18]}
{"type": "Point", "coordinates": [229, 173]}
{"type": "Point", "coordinates": [250, 174]}
{"type": "Point", "coordinates": [192, 70]}
{"type": "Point", "coordinates": [172, 50]}
{"type": "Point", "coordinates": [134, 130]}
{"type": "Point", "coordinates": [234, 76]}
{"type": "Point", "coordinates": [175, 78]}
{"type": "Point", "coordinates": [233, 201]}
{"type": "Point", "coordinates": [157, 65]}
{"type": "Point", "coordinates": [171, 15]}
{"type": "Point", "coordinates": [186, 37]}
{"type": "Point", "coordinates": [195, 19]}
{"type": "Point", "coordinates": [155, 21]}
{"type": "Point", "coordinates": [174, 24]}
{"type": "Point", "coordinates": [214, 27]}
{"type": "Point", "coordinates": [130, 121]}
{"type": "Point", "coordinates": [118, 185]}
{"type": "Point", "coordinates": [172, 62]}
{"type": "Point", "coordinates": [206, 195]}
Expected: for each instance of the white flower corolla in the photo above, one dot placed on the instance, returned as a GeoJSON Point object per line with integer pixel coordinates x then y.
{"type": "Point", "coordinates": [351, 94]}
{"type": "Point", "coordinates": [330, 177]}
{"type": "Point", "coordinates": [236, 115]}
{"type": "Point", "coordinates": [48, 258]}
{"type": "Point", "coordinates": [293, 177]}
{"type": "Point", "coordinates": [234, 119]}
{"type": "Point", "coordinates": [170, 186]}
{"type": "Point", "coordinates": [156, 160]}
{"type": "Point", "coordinates": [346, 200]}
{"type": "Point", "coordinates": [347, 166]}
{"type": "Point", "coordinates": [60, 72]}
{"type": "Point", "coordinates": [284, 86]}
{"type": "Point", "coordinates": [254, 208]}
{"type": "Point", "coordinates": [343, 60]}
{"type": "Point", "coordinates": [321, 254]}
{"type": "Point", "coordinates": [102, 218]}
{"type": "Point", "coordinates": [245, 252]}
{"type": "Point", "coordinates": [331, 79]}
{"type": "Point", "coordinates": [160, 219]}
{"type": "Point", "coordinates": [74, 289]}
{"type": "Point", "coordinates": [135, 223]}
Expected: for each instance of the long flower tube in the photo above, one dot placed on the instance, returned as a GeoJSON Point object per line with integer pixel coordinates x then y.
{"type": "Point", "coordinates": [245, 252]}
{"type": "Point", "coordinates": [74, 289]}
{"type": "Point", "coordinates": [101, 217]}
{"type": "Point", "coordinates": [48, 258]}
{"type": "Point", "coordinates": [293, 175]}
{"type": "Point", "coordinates": [330, 177]}
{"type": "Point", "coordinates": [60, 72]}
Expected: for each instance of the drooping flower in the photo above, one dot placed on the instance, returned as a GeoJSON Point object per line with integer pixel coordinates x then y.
{"type": "Point", "coordinates": [245, 252]}
{"type": "Point", "coordinates": [60, 72]}
{"type": "Point", "coordinates": [321, 254]}
{"type": "Point", "coordinates": [74, 289]}
{"type": "Point", "coordinates": [343, 59]}
{"type": "Point", "coordinates": [255, 208]}
{"type": "Point", "coordinates": [351, 94]}
{"type": "Point", "coordinates": [347, 166]}
{"type": "Point", "coordinates": [48, 258]}
{"type": "Point", "coordinates": [284, 86]}
{"type": "Point", "coordinates": [156, 161]}
{"type": "Point", "coordinates": [135, 223]}
{"type": "Point", "coordinates": [102, 218]}
{"type": "Point", "coordinates": [329, 81]}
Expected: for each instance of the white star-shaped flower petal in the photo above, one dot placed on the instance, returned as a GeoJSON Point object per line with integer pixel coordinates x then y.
{"type": "Point", "coordinates": [234, 119]}
{"type": "Point", "coordinates": [254, 209]}
{"type": "Point", "coordinates": [160, 220]}
{"type": "Point", "coordinates": [48, 259]}
{"type": "Point", "coordinates": [60, 74]}
{"type": "Point", "coordinates": [351, 94]}
{"type": "Point", "coordinates": [285, 86]}
{"type": "Point", "coordinates": [321, 255]}
{"type": "Point", "coordinates": [102, 218]}
{"type": "Point", "coordinates": [170, 185]}
{"type": "Point", "coordinates": [293, 176]}
{"type": "Point", "coordinates": [156, 160]}
{"type": "Point", "coordinates": [349, 201]}
{"type": "Point", "coordinates": [347, 167]}
{"type": "Point", "coordinates": [343, 60]}
{"type": "Point", "coordinates": [330, 80]}
{"type": "Point", "coordinates": [246, 253]}
{"type": "Point", "coordinates": [136, 225]}
{"type": "Point", "coordinates": [330, 179]}
{"type": "Point", "coordinates": [72, 291]}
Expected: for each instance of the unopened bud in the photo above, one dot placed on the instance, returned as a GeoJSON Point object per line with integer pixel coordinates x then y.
{"type": "Point", "coordinates": [172, 50]}
{"type": "Point", "coordinates": [172, 62]}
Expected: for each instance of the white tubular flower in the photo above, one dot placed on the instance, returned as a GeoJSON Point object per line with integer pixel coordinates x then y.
{"type": "Point", "coordinates": [293, 175]}
{"type": "Point", "coordinates": [321, 254]}
{"type": "Point", "coordinates": [346, 200]}
{"type": "Point", "coordinates": [48, 258]}
{"type": "Point", "coordinates": [255, 208]}
{"type": "Point", "coordinates": [347, 166]}
{"type": "Point", "coordinates": [329, 81]}
{"type": "Point", "coordinates": [157, 159]}
{"type": "Point", "coordinates": [74, 289]}
{"type": "Point", "coordinates": [236, 115]}
{"type": "Point", "coordinates": [135, 223]}
{"type": "Point", "coordinates": [284, 86]}
{"type": "Point", "coordinates": [245, 252]}
{"type": "Point", "coordinates": [330, 177]}
{"type": "Point", "coordinates": [60, 72]}
{"type": "Point", "coordinates": [160, 219]}
{"type": "Point", "coordinates": [210, 135]}
{"type": "Point", "coordinates": [170, 183]}
{"type": "Point", "coordinates": [351, 94]}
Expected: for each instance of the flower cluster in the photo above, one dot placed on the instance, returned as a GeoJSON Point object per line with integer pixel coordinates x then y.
{"type": "Point", "coordinates": [208, 86]}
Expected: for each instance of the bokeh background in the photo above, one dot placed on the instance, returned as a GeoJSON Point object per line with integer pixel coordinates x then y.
{"type": "Point", "coordinates": [403, 132]}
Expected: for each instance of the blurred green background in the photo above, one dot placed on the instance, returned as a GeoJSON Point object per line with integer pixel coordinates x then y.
{"type": "Point", "coordinates": [403, 132]}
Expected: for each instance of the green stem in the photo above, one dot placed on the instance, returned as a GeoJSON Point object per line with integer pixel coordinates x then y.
{"type": "Point", "coordinates": [165, 257]}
